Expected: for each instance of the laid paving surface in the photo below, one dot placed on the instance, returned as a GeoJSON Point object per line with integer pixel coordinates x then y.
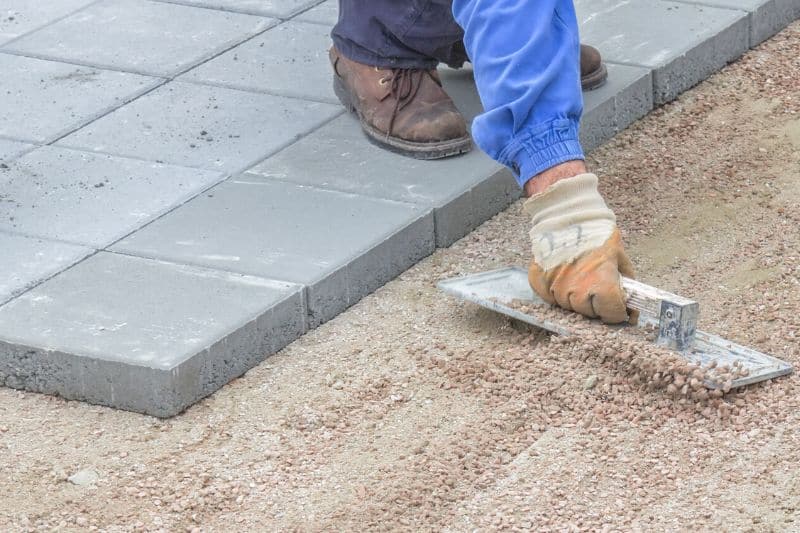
{"type": "Point", "coordinates": [181, 195]}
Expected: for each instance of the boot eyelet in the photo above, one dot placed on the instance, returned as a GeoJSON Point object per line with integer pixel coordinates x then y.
{"type": "Point", "coordinates": [383, 81]}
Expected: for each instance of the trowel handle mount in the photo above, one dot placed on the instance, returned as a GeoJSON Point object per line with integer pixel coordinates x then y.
{"type": "Point", "coordinates": [677, 316]}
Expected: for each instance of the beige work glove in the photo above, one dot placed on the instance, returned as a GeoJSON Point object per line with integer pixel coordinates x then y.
{"type": "Point", "coordinates": [577, 250]}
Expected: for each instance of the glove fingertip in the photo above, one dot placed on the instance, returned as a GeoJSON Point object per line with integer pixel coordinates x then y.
{"type": "Point", "coordinates": [610, 306]}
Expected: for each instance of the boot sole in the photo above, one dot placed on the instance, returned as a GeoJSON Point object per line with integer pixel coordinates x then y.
{"type": "Point", "coordinates": [595, 80]}
{"type": "Point", "coordinates": [437, 150]}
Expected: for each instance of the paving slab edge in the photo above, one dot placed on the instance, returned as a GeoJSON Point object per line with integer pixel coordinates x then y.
{"type": "Point", "coordinates": [157, 391]}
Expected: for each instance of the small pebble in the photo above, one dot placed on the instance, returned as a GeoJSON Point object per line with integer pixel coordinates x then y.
{"type": "Point", "coordinates": [82, 478]}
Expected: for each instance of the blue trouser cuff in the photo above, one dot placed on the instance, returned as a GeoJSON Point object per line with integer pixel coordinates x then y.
{"type": "Point", "coordinates": [538, 149]}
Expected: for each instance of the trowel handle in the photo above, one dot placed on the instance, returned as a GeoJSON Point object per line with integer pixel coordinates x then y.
{"type": "Point", "coordinates": [677, 316]}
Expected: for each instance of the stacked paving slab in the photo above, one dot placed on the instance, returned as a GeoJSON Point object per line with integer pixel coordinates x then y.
{"type": "Point", "coordinates": [182, 196]}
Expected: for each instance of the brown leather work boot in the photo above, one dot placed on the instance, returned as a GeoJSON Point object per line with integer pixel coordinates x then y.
{"type": "Point", "coordinates": [404, 110]}
{"type": "Point", "coordinates": [593, 71]}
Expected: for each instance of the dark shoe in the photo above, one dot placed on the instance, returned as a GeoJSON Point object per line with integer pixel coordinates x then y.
{"type": "Point", "coordinates": [404, 110]}
{"type": "Point", "coordinates": [593, 71]}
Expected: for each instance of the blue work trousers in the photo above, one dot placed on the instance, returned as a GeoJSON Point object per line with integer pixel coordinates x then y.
{"type": "Point", "coordinates": [525, 56]}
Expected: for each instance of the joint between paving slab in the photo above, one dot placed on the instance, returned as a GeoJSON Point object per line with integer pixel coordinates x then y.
{"type": "Point", "coordinates": [78, 63]}
{"type": "Point", "coordinates": [160, 81]}
{"type": "Point", "coordinates": [289, 143]}
{"type": "Point", "coordinates": [242, 176]}
{"type": "Point", "coordinates": [222, 178]}
{"type": "Point", "coordinates": [24, 152]}
{"type": "Point", "coordinates": [97, 116]}
{"type": "Point", "coordinates": [290, 289]}
{"type": "Point", "coordinates": [714, 6]}
{"type": "Point", "coordinates": [49, 23]}
{"type": "Point", "coordinates": [235, 87]}
{"type": "Point", "coordinates": [241, 11]}
{"type": "Point", "coordinates": [47, 278]}
{"type": "Point", "coordinates": [194, 265]}
{"type": "Point", "coordinates": [169, 77]}
{"type": "Point", "coordinates": [628, 64]}
{"type": "Point", "coordinates": [32, 146]}
{"type": "Point", "coordinates": [306, 9]}
{"type": "Point", "coordinates": [151, 74]}
{"type": "Point", "coordinates": [354, 255]}
{"type": "Point", "coordinates": [84, 150]}
{"type": "Point", "coordinates": [230, 45]}
{"type": "Point", "coordinates": [306, 295]}
{"type": "Point", "coordinates": [85, 64]}
{"type": "Point", "coordinates": [164, 82]}
{"type": "Point", "coordinates": [653, 91]}
{"type": "Point", "coordinates": [37, 236]}
{"type": "Point", "coordinates": [314, 22]}
{"type": "Point", "coordinates": [19, 140]}
{"type": "Point", "coordinates": [214, 8]}
{"type": "Point", "coordinates": [750, 21]}
{"type": "Point", "coordinates": [224, 49]}
{"type": "Point", "coordinates": [283, 146]}
{"type": "Point", "coordinates": [264, 180]}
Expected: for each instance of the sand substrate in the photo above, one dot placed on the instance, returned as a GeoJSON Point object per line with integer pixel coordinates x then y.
{"type": "Point", "coordinates": [412, 411]}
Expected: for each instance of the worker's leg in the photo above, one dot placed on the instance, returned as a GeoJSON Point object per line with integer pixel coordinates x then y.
{"type": "Point", "coordinates": [419, 34]}
{"type": "Point", "coordinates": [397, 33]}
{"type": "Point", "coordinates": [384, 59]}
{"type": "Point", "coordinates": [408, 111]}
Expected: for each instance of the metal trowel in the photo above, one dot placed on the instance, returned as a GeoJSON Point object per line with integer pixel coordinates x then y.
{"type": "Point", "coordinates": [674, 318]}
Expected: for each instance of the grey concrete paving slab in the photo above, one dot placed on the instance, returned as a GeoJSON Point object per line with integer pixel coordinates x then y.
{"type": "Point", "coordinates": [11, 149]}
{"type": "Point", "coordinates": [140, 36]}
{"type": "Point", "coordinates": [88, 198]}
{"type": "Point", "coordinates": [274, 8]}
{"type": "Point", "coordinates": [460, 85]}
{"type": "Point", "coordinates": [43, 100]}
{"type": "Point", "coordinates": [143, 335]}
{"type": "Point", "coordinates": [326, 13]}
{"type": "Point", "coordinates": [18, 17]}
{"type": "Point", "coordinates": [626, 96]}
{"type": "Point", "coordinates": [682, 43]}
{"type": "Point", "coordinates": [203, 126]}
{"type": "Point", "coordinates": [341, 246]}
{"type": "Point", "coordinates": [767, 17]}
{"type": "Point", "coordinates": [25, 261]}
{"type": "Point", "coordinates": [289, 59]}
{"type": "Point", "coordinates": [338, 157]}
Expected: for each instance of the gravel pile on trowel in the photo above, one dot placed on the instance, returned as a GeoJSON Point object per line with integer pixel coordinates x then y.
{"type": "Point", "coordinates": [631, 352]}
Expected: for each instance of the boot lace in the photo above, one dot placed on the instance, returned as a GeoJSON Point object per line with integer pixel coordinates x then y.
{"type": "Point", "coordinates": [405, 86]}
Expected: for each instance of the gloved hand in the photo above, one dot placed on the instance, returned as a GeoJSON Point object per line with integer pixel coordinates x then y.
{"type": "Point", "coordinates": [577, 250]}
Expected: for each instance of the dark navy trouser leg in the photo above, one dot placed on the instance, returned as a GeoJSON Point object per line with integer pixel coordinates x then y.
{"type": "Point", "coordinates": [399, 33]}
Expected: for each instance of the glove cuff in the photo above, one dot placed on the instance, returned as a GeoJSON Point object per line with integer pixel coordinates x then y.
{"type": "Point", "coordinates": [569, 219]}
